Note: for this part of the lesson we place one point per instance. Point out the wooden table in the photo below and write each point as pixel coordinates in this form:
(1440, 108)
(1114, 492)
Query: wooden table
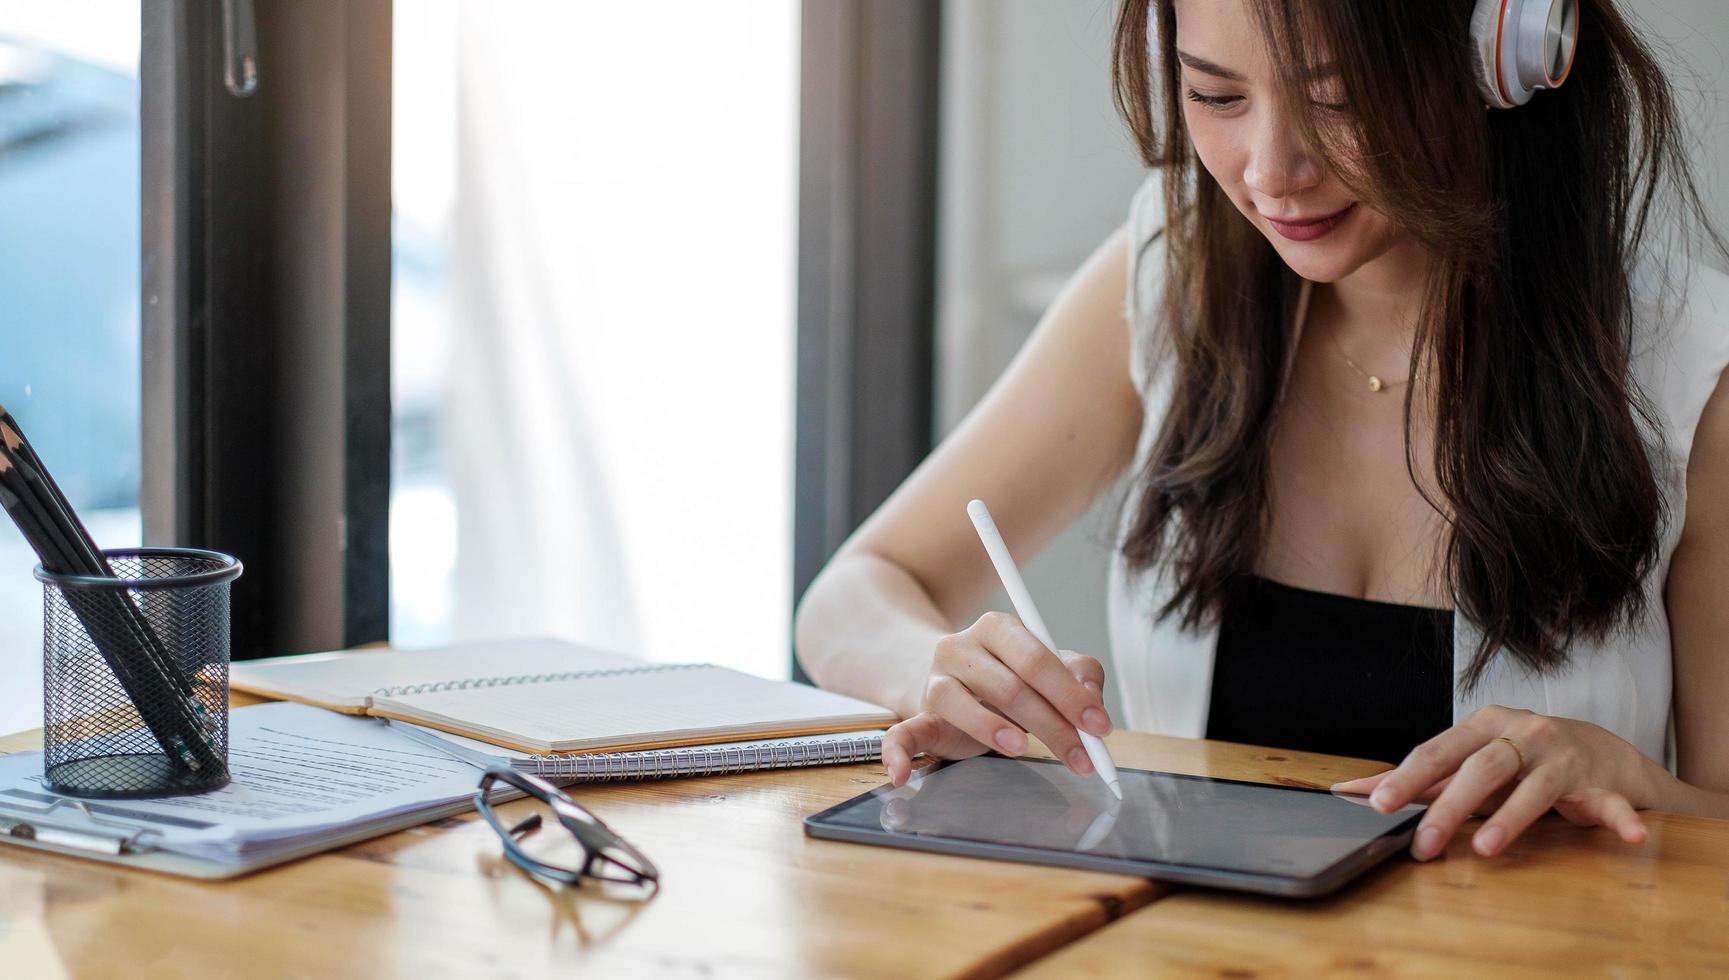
(747, 894)
(1560, 901)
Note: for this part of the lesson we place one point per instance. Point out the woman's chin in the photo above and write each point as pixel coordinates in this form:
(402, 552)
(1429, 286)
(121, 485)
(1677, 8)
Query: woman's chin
(1322, 264)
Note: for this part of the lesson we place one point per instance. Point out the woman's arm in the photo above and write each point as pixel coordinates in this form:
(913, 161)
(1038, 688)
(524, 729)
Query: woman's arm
(1698, 600)
(1053, 432)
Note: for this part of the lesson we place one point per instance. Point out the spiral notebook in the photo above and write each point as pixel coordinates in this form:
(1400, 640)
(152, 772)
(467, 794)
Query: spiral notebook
(692, 760)
(545, 696)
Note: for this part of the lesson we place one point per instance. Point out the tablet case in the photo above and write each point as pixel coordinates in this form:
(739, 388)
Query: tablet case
(1342, 871)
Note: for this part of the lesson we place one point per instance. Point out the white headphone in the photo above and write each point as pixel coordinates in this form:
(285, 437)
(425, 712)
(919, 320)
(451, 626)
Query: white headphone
(1520, 46)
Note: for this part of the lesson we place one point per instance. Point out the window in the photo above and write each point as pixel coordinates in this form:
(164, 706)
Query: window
(69, 269)
(592, 344)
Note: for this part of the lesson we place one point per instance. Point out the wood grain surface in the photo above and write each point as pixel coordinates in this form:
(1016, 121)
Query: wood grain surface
(747, 894)
(1560, 901)
(744, 893)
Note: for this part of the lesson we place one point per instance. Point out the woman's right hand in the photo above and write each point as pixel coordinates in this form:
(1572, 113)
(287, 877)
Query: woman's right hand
(990, 685)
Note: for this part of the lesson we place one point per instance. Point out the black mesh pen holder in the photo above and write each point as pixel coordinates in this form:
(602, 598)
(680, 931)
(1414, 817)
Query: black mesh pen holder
(135, 675)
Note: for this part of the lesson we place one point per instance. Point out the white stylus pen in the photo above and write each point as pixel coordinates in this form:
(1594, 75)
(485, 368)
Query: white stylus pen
(1030, 618)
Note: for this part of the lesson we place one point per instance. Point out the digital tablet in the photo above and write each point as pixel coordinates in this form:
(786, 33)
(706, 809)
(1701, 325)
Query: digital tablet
(1223, 833)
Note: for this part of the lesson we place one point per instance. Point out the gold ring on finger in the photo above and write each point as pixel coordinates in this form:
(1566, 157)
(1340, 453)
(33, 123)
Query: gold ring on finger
(1515, 745)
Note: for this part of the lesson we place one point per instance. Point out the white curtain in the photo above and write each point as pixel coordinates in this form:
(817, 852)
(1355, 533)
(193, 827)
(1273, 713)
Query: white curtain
(535, 533)
(617, 432)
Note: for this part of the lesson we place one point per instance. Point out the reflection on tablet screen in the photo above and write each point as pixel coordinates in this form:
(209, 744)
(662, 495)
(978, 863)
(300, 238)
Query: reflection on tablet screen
(1162, 817)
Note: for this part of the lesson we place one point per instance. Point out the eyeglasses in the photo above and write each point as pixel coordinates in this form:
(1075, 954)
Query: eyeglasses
(604, 855)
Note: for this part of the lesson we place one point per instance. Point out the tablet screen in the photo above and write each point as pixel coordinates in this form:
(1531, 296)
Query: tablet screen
(1163, 817)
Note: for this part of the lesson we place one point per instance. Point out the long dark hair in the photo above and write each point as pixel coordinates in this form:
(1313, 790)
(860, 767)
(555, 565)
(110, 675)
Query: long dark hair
(1532, 219)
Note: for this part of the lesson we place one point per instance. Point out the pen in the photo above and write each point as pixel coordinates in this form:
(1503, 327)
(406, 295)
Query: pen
(1030, 618)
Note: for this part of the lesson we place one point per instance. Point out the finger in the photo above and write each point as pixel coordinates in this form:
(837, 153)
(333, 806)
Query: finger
(1003, 690)
(1044, 672)
(898, 752)
(1086, 669)
(1429, 795)
(1616, 813)
(1532, 798)
(1427, 765)
(1482, 773)
(1496, 800)
(949, 699)
(1028, 709)
(1362, 784)
(1035, 714)
(900, 744)
(1091, 674)
(1609, 809)
(924, 733)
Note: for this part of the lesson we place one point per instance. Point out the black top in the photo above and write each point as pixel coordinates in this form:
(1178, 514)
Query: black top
(1320, 672)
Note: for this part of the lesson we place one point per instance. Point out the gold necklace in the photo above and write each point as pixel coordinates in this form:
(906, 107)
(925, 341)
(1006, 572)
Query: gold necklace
(1375, 382)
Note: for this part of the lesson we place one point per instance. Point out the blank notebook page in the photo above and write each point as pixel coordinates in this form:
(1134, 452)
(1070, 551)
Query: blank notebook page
(668, 705)
(348, 679)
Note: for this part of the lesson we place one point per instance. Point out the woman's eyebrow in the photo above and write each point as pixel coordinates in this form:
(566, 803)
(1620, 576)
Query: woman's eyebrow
(1209, 68)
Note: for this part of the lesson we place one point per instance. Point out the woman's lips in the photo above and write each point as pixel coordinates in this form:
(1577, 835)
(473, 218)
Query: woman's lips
(1309, 231)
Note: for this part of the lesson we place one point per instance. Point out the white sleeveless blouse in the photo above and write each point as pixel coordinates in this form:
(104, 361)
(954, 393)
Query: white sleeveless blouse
(1164, 671)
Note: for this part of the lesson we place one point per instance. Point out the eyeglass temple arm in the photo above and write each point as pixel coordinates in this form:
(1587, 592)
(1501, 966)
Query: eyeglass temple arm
(527, 825)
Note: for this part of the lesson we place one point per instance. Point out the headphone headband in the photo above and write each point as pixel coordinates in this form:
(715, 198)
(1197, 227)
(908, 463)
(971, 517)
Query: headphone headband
(1520, 46)
(1517, 47)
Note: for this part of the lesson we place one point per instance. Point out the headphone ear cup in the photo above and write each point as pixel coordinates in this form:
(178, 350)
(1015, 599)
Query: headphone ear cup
(1516, 46)
(1485, 51)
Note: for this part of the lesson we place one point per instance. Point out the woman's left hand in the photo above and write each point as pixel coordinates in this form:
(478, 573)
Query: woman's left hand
(1586, 772)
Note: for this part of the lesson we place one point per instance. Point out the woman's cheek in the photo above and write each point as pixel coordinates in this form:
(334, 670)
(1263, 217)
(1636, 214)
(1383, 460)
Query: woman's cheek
(1212, 154)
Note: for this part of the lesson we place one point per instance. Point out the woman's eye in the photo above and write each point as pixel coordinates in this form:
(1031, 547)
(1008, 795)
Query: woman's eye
(1212, 101)
(1221, 101)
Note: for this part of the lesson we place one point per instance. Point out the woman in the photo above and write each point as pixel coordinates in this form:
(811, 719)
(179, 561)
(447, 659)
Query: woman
(1442, 476)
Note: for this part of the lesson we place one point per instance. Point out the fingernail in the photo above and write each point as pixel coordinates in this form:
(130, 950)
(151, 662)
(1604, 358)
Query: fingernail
(1010, 741)
(1490, 840)
(1382, 797)
(1094, 721)
(1093, 686)
(1079, 762)
(1428, 843)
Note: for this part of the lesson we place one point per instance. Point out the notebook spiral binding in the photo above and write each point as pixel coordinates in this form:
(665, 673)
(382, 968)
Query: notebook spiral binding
(509, 679)
(698, 760)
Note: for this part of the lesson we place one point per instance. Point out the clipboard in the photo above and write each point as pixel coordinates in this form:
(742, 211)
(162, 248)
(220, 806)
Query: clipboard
(76, 828)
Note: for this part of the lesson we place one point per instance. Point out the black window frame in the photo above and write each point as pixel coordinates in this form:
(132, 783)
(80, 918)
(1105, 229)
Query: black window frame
(266, 311)
(266, 295)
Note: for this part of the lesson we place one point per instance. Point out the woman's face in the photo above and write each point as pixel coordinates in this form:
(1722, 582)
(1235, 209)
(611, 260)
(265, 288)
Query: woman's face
(1230, 106)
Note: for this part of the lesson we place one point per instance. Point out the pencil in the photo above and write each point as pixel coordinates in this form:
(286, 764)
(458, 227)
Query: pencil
(1030, 618)
(78, 551)
(121, 634)
(90, 561)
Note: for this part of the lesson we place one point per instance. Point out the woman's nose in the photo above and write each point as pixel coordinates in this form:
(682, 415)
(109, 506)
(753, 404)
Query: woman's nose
(1280, 164)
